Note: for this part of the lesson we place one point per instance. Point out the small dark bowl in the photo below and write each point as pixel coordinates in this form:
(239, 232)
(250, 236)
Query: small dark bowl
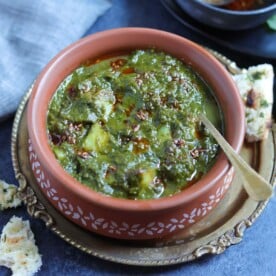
(227, 19)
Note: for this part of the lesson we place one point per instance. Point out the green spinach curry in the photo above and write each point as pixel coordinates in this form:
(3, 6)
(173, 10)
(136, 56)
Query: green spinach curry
(128, 126)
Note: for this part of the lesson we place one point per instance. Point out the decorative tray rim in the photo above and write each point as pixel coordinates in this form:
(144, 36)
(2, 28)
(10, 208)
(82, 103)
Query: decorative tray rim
(216, 246)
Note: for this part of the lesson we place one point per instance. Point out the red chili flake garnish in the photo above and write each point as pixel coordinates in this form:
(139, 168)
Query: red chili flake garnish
(129, 70)
(241, 5)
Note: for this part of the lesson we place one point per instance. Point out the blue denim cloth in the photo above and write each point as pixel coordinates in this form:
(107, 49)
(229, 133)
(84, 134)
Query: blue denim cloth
(254, 256)
(32, 32)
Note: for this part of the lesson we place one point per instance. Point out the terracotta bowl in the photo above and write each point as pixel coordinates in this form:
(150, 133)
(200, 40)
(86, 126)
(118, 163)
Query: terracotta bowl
(124, 218)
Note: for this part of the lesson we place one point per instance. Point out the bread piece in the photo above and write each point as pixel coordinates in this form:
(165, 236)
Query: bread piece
(256, 88)
(17, 248)
(8, 196)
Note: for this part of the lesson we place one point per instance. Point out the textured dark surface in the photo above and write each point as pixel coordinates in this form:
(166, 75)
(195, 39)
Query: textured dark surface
(253, 256)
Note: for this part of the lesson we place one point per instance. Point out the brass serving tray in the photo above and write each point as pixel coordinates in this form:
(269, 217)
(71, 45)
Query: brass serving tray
(223, 227)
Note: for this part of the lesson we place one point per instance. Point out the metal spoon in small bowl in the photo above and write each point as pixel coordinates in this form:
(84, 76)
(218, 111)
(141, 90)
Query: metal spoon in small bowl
(218, 2)
(254, 184)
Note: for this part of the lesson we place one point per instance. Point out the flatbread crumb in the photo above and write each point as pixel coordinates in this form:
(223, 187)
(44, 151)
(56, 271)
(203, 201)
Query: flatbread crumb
(17, 248)
(8, 196)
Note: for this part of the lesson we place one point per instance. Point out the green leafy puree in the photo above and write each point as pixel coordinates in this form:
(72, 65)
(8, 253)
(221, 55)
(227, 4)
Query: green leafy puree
(128, 127)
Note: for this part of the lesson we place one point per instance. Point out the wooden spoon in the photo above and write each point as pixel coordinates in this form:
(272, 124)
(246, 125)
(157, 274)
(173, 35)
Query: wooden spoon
(254, 184)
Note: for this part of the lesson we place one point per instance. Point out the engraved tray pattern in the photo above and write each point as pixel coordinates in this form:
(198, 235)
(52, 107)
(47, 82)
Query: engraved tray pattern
(224, 227)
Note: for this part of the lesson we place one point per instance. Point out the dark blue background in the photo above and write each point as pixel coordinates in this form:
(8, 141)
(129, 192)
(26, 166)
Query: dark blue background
(255, 255)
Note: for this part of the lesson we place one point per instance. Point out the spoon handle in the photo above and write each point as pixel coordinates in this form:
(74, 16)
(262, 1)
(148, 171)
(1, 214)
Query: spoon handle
(254, 184)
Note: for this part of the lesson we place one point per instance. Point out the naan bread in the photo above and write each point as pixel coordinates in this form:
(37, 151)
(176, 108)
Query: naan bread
(256, 89)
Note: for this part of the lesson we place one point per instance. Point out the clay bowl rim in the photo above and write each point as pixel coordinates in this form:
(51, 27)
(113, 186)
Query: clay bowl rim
(46, 157)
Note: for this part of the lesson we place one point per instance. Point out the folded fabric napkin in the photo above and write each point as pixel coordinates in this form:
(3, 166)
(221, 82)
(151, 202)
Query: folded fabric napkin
(32, 32)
